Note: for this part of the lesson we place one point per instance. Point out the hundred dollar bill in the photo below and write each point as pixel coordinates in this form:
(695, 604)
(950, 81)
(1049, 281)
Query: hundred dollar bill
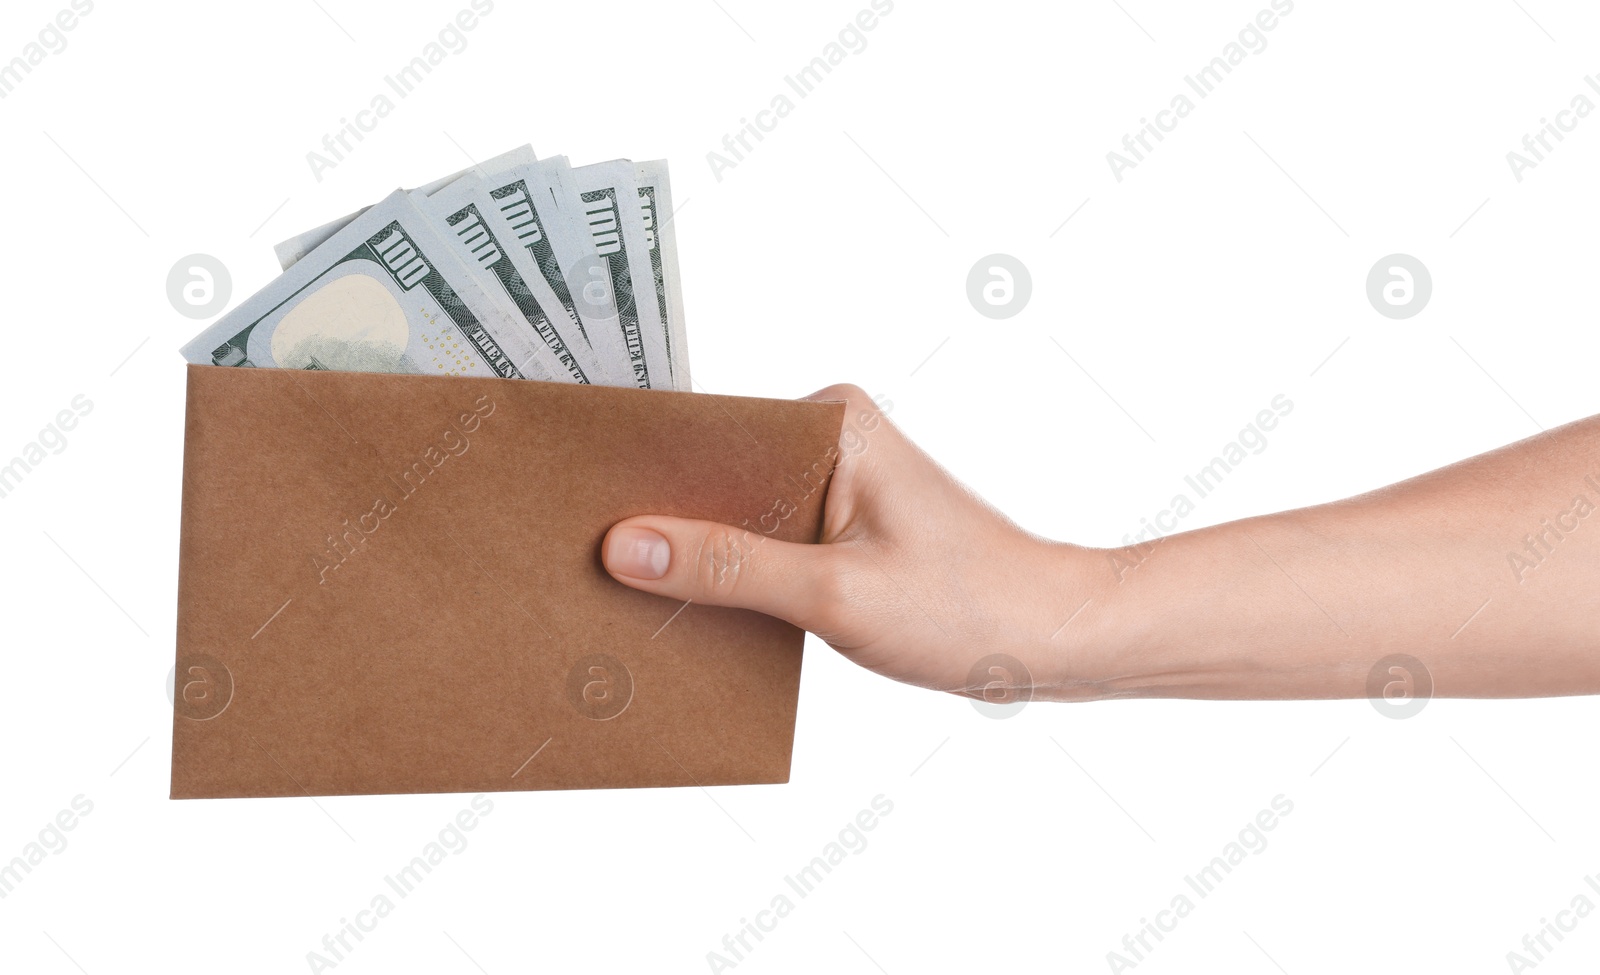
(385, 294)
(524, 205)
(569, 230)
(301, 244)
(655, 197)
(460, 217)
(607, 197)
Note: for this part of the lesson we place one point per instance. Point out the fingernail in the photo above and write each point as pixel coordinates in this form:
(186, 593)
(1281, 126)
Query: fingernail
(638, 553)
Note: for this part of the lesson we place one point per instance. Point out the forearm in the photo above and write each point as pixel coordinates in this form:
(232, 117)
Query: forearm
(1487, 571)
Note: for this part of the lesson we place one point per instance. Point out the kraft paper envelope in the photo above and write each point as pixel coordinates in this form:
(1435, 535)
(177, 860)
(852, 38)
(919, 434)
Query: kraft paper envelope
(392, 584)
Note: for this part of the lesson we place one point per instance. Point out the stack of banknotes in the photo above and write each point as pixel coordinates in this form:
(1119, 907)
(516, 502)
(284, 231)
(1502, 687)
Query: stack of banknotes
(518, 267)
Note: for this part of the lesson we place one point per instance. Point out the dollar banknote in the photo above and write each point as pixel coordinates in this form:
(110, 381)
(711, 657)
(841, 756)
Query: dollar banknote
(655, 199)
(524, 204)
(607, 196)
(460, 218)
(383, 294)
(533, 269)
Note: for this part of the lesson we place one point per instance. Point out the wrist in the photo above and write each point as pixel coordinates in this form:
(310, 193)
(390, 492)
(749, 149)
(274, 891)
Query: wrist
(1082, 626)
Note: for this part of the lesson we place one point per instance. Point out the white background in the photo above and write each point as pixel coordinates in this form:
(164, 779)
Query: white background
(1224, 270)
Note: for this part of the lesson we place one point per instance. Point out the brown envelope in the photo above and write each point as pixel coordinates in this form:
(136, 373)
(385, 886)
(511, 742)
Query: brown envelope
(393, 584)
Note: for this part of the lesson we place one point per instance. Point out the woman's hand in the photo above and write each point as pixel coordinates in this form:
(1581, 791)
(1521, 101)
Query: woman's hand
(916, 577)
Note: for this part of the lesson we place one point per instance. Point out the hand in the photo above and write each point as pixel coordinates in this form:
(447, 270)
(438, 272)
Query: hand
(916, 577)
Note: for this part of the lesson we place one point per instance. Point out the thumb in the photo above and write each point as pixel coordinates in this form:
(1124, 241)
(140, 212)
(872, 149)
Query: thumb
(717, 565)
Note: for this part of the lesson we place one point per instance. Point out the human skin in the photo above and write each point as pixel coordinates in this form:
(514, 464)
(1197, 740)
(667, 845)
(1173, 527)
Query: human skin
(917, 578)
